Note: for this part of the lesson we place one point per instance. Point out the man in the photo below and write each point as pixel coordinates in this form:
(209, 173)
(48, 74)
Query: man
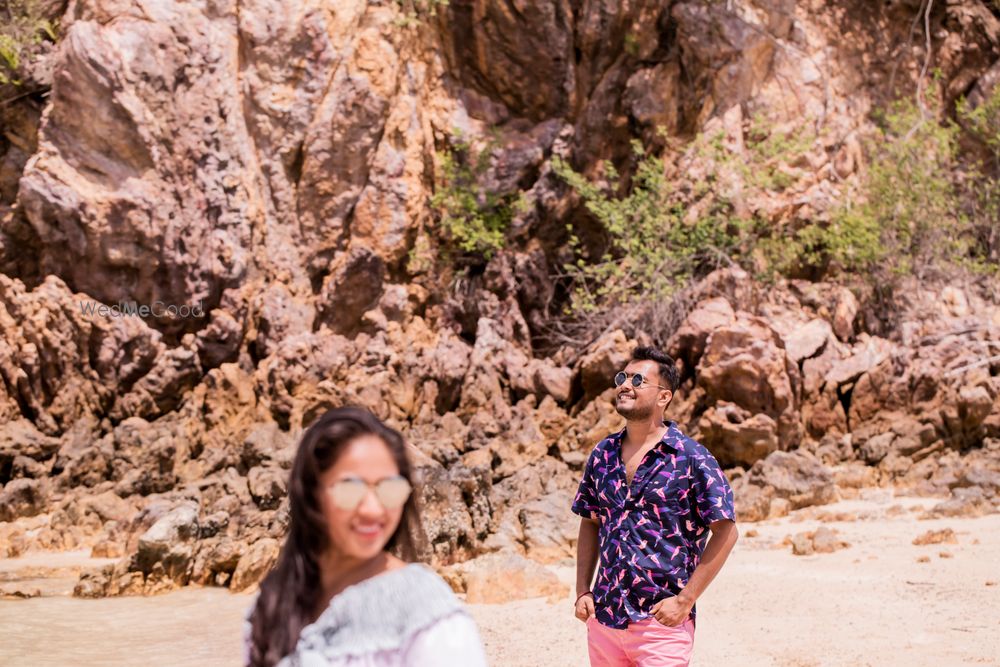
(648, 499)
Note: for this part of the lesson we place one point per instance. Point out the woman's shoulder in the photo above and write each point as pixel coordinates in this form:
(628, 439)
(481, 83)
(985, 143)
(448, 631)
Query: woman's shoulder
(414, 583)
(381, 613)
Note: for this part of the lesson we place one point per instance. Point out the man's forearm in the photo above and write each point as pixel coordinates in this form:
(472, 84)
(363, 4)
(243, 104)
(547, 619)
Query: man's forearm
(720, 544)
(586, 555)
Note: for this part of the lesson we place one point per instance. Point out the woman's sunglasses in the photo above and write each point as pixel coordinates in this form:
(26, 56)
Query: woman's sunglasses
(637, 380)
(392, 492)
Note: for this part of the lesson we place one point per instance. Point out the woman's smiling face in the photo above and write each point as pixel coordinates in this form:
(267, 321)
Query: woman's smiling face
(363, 531)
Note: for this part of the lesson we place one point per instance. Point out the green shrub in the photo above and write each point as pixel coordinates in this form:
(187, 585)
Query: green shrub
(983, 189)
(22, 26)
(656, 246)
(473, 219)
(653, 253)
(911, 215)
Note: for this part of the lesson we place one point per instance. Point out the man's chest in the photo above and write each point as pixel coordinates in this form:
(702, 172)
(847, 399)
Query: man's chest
(658, 481)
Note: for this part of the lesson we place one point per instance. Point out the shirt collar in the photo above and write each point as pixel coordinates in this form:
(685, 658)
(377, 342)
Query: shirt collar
(666, 442)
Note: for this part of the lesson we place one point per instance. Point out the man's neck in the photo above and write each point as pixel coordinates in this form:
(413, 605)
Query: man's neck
(644, 432)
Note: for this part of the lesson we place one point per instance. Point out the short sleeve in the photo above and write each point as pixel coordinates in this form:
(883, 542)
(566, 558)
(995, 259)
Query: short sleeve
(452, 640)
(585, 503)
(713, 495)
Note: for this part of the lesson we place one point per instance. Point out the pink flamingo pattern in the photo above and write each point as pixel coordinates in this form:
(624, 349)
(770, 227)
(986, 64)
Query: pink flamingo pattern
(654, 530)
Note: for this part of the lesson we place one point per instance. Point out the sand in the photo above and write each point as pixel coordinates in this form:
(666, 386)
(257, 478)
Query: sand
(873, 603)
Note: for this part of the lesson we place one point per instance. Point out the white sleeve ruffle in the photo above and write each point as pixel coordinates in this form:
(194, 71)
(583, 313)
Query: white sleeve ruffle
(452, 640)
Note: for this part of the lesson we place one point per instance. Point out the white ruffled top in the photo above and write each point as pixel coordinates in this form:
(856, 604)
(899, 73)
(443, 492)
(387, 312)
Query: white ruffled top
(407, 617)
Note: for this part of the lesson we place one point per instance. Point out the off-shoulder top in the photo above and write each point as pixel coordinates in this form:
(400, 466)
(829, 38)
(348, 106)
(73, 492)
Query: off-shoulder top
(407, 617)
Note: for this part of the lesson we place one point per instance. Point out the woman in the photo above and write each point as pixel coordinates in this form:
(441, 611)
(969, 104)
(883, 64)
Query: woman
(337, 597)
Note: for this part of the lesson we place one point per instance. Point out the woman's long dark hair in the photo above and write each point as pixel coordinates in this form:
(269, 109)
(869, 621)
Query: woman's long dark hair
(289, 593)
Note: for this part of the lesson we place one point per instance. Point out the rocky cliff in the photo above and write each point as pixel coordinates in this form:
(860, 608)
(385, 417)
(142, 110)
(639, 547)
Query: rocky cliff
(262, 175)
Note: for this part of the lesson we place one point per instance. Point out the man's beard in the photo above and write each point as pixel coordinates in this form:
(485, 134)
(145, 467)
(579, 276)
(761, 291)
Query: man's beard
(635, 411)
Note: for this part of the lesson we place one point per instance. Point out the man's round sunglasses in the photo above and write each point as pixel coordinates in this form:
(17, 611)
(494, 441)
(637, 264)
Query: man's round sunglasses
(637, 380)
(392, 492)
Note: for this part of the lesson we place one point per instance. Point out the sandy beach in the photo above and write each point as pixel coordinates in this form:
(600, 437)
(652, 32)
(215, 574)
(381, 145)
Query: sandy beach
(880, 601)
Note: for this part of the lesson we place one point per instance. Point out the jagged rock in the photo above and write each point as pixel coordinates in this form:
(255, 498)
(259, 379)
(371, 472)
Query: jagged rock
(867, 355)
(688, 342)
(216, 561)
(22, 466)
(108, 506)
(145, 455)
(846, 306)
(875, 449)
(96, 231)
(167, 544)
(965, 502)
(22, 498)
(746, 364)
(821, 540)
(553, 381)
(106, 549)
(352, 288)
(808, 339)
(943, 536)
(549, 528)
(21, 438)
(734, 436)
(267, 443)
(268, 486)
(446, 518)
(254, 564)
(795, 476)
(753, 503)
(608, 355)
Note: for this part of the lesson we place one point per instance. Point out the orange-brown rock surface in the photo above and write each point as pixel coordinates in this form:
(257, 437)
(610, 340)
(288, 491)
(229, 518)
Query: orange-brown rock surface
(268, 166)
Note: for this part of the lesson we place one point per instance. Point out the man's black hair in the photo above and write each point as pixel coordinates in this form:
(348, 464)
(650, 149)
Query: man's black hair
(667, 368)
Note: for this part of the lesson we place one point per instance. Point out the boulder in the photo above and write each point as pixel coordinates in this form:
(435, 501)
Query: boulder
(795, 476)
(845, 308)
(268, 486)
(821, 540)
(753, 503)
(746, 364)
(499, 578)
(597, 368)
(254, 564)
(22, 497)
(808, 339)
(167, 543)
(549, 528)
(687, 344)
(734, 436)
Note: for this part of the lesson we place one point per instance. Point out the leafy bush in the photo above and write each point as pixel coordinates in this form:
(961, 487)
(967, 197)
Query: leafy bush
(983, 122)
(22, 27)
(912, 214)
(652, 251)
(919, 209)
(473, 219)
(661, 240)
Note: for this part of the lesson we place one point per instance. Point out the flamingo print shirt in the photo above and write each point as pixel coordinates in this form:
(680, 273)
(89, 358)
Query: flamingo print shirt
(653, 531)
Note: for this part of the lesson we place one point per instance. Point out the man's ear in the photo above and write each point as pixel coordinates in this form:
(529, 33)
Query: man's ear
(665, 397)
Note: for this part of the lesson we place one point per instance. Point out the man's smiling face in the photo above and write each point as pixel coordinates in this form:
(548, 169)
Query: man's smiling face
(638, 403)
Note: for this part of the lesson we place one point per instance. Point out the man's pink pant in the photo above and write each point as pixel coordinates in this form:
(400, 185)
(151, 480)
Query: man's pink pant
(647, 643)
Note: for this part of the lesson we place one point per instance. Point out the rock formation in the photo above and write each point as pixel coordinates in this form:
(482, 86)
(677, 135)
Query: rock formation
(259, 175)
